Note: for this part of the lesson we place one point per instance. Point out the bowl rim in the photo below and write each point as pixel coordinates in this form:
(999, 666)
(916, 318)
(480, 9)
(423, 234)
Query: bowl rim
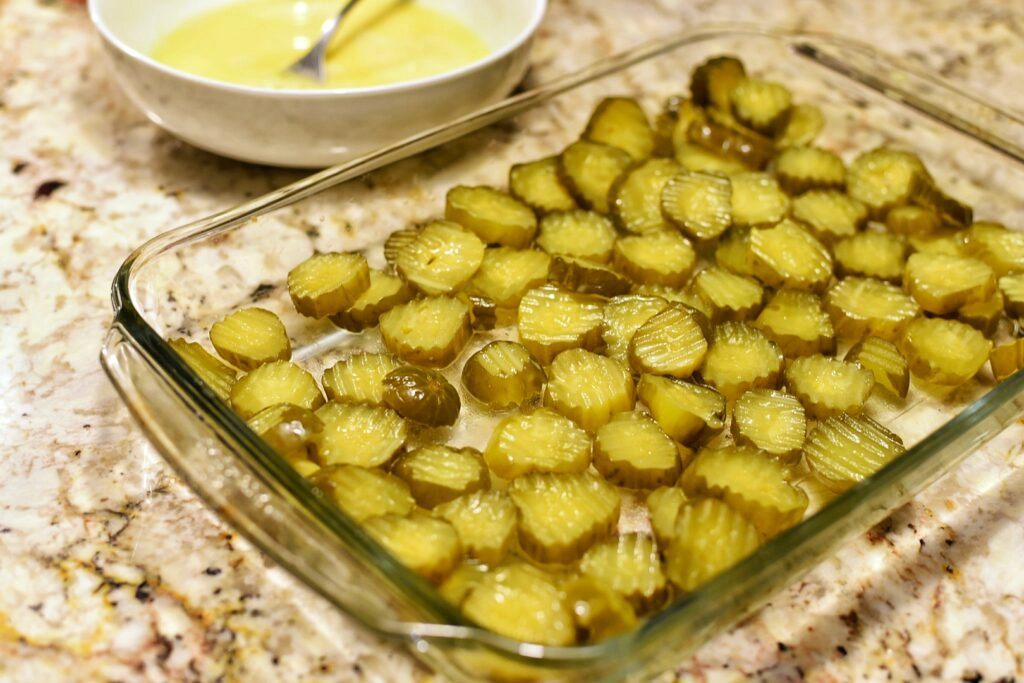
(517, 42)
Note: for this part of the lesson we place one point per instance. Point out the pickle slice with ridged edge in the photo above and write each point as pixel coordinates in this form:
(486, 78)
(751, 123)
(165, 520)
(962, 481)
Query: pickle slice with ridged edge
(385, 292)
(562, 515)
(359, 378)
(711, 83)
(630, 566)
(522, 602)
(941, 283)
(871, 254)
(865, 306)
(659, 258)
(600, 613)
(273, 383)
(356, 434)
(623, 316)
(700, 204)
(581, 234)
(621, 122)
(726, 138)
(757, 198)
(483, 312)
(946, 352)
(631, 450)
(940, 243)
(506, 274)
(881, 178)
(421, 395)
(437, 474)
(462, 580)
(924, 192)
(250, 337)
(325, 284)
(828, 386)
(845, 449)
(541, 441)
(1001, 249)
(494, 216)
(730, 296)
(635, 197)
(885, 362)
(800, 169)
(588, 388)
(430, 331)
(984, 316)
(365, 492)
(287, 429)
(670, 343)
(589, 169)
(673, 124)
(760, 104)
(485, 521)
(912, 220)
(587, 277)
(442, 258)
(786, 255)
(741, 357)
(396, 241)
(698, 159)
(214, 372)
(1012, 289)
(685, 297)
(663, 505)
(750, 482)
(803, 125)
(503, 374)
(772, 421)
(537, 184)
(794, 320)
(733, 250)
(552, 320)
(829, 214)
(687, 412)
(710, 536)
(427, 545)
(1007, 359)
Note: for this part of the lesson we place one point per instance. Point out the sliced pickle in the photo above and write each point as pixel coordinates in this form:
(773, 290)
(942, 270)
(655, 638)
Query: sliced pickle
(250, 337)
(800, 169)
(984, 316)
(946, 352)
(429, 331)
(442, 258)
(730, 296)
(944, 243)
(677, 296)
(633, 451)
(941, 283)
(485, 521)
(396, 241)
(587, 277)
(421, 395)
(864, 306)
(541, 441)
(750, 482)
(1012, 289)
(600, 612)
(710, 536)
(385, 292)
(523, 602)
(635, 197)
(287, 429)
(494, 216)
(712, 82)
(273, 383)
(580, 234)
(871, 254)
(621, 122)
(830, 215)
(912, 220)
(660, 258)
(676, 127)
(803, 125)
(1007, 359)
(427, 545)
(503, 374)
(786, 255)
(623, 316)
(663, 505)
(924, 192)
(483, 312)
(325, 284)
(885, 362)
(772, 421)
(364, 492)
(465, 578)
(699, 159)
(689, 413)
(733, 250)
(882, 178)
(757, 198)
(589, 169)
(562, 515)
(728, 139)
(741, 357)
(507, 274)
(537, 184)
(828, 386)
(630, 566)
(214, 372)
(846, 449)
(670, 343)
(588, 388)
(700, 204)
(795, 321)
(762, 105)
(359, 378)
(437, 474)
(354, 434)
(1001, 249)
(552, 320)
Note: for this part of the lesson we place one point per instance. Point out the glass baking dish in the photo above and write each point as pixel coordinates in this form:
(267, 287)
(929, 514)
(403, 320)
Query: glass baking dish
(179, 283)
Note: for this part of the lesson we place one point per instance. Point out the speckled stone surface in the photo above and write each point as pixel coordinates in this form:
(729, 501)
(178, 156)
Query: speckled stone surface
(112, 570)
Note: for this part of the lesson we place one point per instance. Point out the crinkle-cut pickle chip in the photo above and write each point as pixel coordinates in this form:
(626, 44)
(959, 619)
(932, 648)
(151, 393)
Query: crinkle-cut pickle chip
(1007, 359)
(537, 184)
(437, 474)
(506, 274)
(1012, 289)
(749, 481)
(460, 582)
(214, 372)
(800, 169)
(250, 337)
(503, 374)
(733, 249)
(589, 169)
(552, 319)
(672, 126)
(712, 81)
(523, 602)
(494, 216)
(710, 536)
(786, 255)
(442, 258)
(760, 104)
(871, 254)
(581, 234)
(670, 343)
(621, 122)
(359, 378)
(721, 134)
(741, 357)
(663, 506)
(635, 197)
(587, 277)
(385, 292)
(772, 421)
(633, 451)
(687, 297)
(885, 362)
(984, 316)
(864, 306)
(623, 316)
(600, 612)
(687, 412)
(355, 434)
(1001, 249)
(659, 258)
(287, 429)
(827, 386)
(485, 521)
(941, 283)
(697, 159)
(946, 352)
(395, 241)
(730, 296)
(325, 284)
(881, 178)
(430, 331)
(273, 383)
(700, 204)
(803, 125)
(422, 395)
(588, 388)
(912, 220)
(845, 449)
(924, 192)
(757, 198)
(941, 243)
(365, 492)
(541, 441)
(427, 545)
(831, 215)
(562, 515)
(630, 566)
(795, 320)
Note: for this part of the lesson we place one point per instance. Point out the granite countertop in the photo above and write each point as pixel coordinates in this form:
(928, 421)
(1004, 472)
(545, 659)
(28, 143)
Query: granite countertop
(113, 570)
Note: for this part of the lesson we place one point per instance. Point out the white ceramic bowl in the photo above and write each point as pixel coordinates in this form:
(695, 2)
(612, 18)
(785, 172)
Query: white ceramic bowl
(308, 128)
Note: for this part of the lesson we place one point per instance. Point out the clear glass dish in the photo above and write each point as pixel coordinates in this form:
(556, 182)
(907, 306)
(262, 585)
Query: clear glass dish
(179, 283)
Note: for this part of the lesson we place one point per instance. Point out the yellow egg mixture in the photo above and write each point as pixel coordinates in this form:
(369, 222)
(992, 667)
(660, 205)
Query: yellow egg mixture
(252, 43)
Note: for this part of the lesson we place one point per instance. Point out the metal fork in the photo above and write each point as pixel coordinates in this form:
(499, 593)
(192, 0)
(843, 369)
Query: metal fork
(312, 63)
